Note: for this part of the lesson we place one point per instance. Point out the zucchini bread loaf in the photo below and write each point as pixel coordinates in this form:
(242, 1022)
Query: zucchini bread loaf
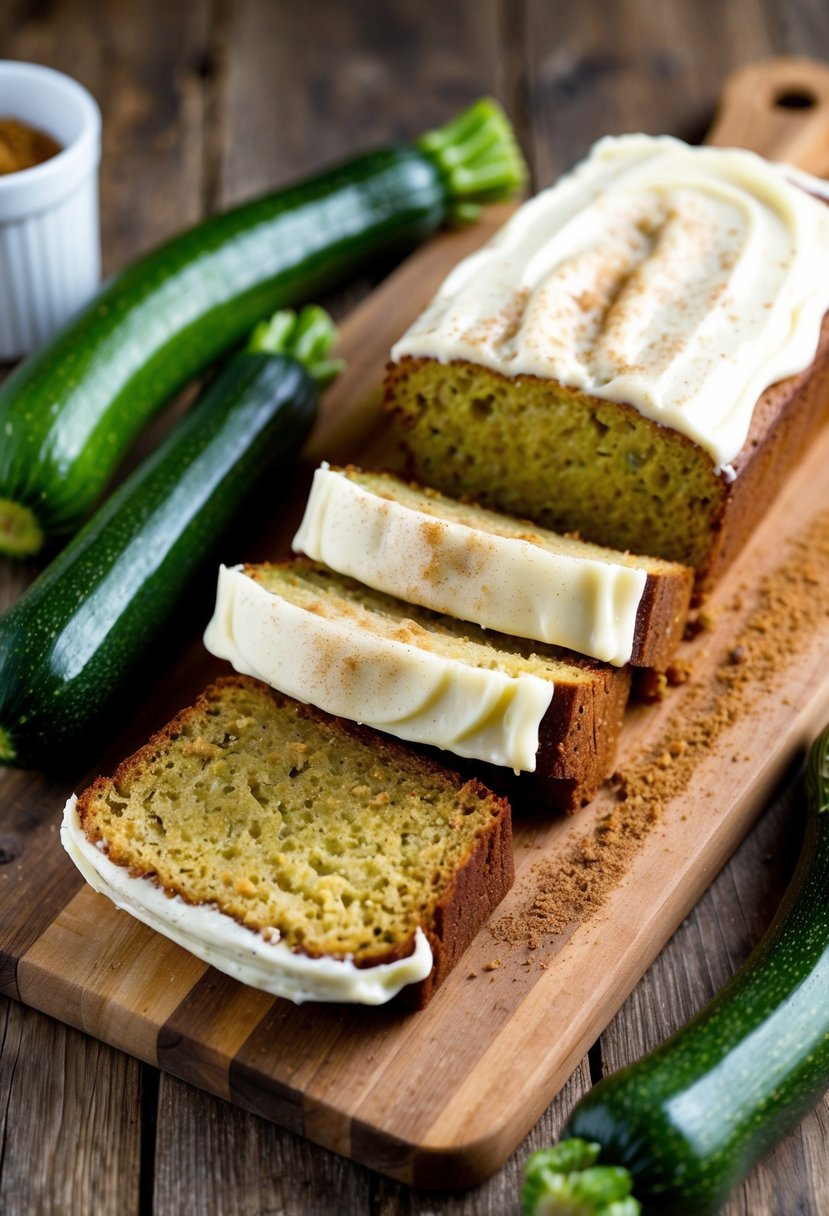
(500, 572)
(297, 853)
(639, 355)
(328, 640)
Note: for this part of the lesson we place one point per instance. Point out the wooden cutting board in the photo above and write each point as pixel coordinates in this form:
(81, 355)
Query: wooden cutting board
(442, 1097)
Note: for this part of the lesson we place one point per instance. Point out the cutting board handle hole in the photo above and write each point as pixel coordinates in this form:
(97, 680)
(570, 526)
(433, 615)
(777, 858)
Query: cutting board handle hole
(795, 99)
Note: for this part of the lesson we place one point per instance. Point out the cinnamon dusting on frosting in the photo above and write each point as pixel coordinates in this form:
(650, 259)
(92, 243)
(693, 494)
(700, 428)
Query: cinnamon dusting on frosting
(679, 281)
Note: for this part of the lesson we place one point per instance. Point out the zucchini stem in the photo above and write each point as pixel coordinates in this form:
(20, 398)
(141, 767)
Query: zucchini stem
(478, 157)
(565, 1181)
(20, 532)
(307, 336)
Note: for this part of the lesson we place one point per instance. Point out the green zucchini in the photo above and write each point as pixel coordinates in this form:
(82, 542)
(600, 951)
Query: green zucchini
(675, 1132)
(72, 642)
(69, 412)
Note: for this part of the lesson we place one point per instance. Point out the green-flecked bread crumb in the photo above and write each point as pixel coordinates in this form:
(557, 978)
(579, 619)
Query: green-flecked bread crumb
(288, 820)
(571, 462)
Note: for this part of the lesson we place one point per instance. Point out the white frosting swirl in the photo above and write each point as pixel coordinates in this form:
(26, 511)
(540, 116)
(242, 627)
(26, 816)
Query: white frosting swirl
(229, 946)
(392, 685)
(680, 280)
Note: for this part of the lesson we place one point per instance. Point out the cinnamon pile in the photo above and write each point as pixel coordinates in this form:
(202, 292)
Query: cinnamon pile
(23, 147)
(792, 604)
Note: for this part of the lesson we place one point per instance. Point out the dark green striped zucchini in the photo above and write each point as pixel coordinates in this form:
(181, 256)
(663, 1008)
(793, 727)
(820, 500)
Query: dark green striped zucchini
(676, 1132)
(70, 411)
(70, 645)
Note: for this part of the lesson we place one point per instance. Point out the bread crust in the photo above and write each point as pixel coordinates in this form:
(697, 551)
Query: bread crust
(480, 881)
(661, 617)
(577, 740)
(479, 885)
(786, 419)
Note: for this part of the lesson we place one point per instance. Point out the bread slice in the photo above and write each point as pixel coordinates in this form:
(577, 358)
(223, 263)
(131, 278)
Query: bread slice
(498, 571)
(301, 854)
(427, 678)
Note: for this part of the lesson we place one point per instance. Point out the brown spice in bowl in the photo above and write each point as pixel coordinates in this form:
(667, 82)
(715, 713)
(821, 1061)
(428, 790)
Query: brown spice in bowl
(23, 147)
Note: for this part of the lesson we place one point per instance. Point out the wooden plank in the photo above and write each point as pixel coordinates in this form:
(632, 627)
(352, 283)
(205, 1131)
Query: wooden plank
(69, 1130)
(797, 29)
(210, 1024)
(28, 847)
(216, 1160)
(403, 76)
(632, 66)
(123, 986)
(222, 1161)
(499, 1195)
(754, 112)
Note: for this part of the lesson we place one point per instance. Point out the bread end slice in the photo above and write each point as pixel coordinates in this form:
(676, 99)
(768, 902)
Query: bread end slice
(299, 827)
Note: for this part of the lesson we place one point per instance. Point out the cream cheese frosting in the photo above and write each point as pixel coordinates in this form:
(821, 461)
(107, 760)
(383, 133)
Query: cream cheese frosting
(497, 581)
(397, 687)
(233, 948)
(680, 280)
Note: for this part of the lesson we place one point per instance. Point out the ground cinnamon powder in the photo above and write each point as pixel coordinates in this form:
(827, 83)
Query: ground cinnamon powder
(790, 604)
(23, 147)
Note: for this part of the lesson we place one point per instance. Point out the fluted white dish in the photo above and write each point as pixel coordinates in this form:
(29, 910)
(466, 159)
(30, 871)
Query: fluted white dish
(50, 261)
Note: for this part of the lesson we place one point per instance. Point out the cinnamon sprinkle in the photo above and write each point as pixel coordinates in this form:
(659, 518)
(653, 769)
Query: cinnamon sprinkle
(792, 604)
(23, 147)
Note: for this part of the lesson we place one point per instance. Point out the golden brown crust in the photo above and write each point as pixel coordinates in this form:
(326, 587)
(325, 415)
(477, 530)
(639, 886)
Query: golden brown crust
(786, 419)
(479, 885)
(661, 617)
(578, 738)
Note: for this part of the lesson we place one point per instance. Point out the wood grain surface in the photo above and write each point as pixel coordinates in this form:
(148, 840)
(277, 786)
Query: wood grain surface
(190, 90)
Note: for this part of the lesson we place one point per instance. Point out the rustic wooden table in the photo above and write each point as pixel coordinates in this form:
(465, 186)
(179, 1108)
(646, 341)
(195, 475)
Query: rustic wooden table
(206, 102)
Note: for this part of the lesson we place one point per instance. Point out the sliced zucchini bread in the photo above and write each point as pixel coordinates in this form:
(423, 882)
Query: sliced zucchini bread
(299, 854)
(496, 570)
(330, 641)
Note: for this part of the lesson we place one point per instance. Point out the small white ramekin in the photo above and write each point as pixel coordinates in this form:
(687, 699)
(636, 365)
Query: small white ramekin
(50, 258)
